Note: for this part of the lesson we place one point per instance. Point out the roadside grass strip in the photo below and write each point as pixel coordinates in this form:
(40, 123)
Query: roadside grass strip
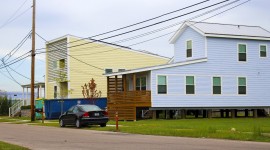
(7, 146)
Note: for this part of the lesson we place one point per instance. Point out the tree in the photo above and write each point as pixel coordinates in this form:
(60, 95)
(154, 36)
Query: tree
(89, 90)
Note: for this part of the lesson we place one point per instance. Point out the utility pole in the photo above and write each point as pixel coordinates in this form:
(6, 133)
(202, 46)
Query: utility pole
(33, 62)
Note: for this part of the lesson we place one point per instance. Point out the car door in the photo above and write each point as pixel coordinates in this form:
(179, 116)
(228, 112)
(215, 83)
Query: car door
(67, 116)
(72, 116)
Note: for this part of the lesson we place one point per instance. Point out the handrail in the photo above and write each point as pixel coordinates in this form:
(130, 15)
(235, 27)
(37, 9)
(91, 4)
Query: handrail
(15, 108)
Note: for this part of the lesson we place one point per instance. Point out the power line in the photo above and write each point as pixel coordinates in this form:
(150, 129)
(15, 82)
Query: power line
(148, 25)
(147, 33)
(12, 78)
(147, 20)
(9, 78)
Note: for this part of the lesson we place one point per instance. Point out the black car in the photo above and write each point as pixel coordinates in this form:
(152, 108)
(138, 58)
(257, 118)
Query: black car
(81, 115)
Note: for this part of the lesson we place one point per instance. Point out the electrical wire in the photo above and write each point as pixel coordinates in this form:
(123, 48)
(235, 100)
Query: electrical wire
(157, 23)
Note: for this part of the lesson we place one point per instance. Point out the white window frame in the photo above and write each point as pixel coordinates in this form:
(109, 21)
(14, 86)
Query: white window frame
(238, 86)
(185, 84)
(238, 52)
(167, 85)
(265, 49)
(141, 82)
(191, 49)
(221, 84)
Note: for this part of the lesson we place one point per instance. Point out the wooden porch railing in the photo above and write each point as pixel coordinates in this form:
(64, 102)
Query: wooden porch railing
(125, 103)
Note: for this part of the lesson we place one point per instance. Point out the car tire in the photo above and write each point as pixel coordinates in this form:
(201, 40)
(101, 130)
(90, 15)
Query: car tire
(61, 123)
(103, 125)
(78, 123)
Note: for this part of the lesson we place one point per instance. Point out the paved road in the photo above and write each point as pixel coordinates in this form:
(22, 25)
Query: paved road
(51, 138)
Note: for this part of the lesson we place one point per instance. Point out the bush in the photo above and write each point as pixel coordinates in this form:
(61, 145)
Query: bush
(26, 107)
(5, 103)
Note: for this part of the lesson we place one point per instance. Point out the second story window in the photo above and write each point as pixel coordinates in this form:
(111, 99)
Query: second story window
(242, 52)
(263, 51)
(162, 85)
(242, 86)
(62, 63)
(189, 48)
(190, 85)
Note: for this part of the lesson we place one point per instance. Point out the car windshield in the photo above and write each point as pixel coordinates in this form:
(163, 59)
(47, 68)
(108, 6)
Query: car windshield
(90, 108)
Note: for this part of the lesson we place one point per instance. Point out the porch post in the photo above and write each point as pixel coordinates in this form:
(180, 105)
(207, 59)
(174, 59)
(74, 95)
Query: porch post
(108, 82)
(134, 82)
(116, 84)
(124, 78)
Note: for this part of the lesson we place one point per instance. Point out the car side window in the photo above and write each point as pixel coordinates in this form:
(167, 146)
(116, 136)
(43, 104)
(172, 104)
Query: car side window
(75, 110)
(70, 110)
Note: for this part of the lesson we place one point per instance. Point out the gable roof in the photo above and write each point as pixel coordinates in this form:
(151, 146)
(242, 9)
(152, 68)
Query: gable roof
(108, 43)
(157, 67)
(224, 30)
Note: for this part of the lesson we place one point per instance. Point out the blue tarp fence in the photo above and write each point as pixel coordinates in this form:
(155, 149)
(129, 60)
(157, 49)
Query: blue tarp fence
(55, 107)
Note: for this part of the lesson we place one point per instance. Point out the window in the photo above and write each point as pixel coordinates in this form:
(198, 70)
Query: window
(162, 85)
(190, 86)
(108, 71)
(216, 85)
(242, 85)
(242, 52)
(121, 70)
(62, 63)
(55, 92)
(140, 83)
(189, 48)
(262, 50)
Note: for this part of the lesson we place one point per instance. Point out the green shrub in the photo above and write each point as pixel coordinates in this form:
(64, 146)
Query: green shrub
(5, 103)
(26, 107)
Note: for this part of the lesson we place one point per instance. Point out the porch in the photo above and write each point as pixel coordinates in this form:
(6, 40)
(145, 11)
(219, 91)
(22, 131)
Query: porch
(126, 93)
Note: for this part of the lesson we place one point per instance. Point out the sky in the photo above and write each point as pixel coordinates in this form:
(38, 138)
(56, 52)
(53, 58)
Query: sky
(85, 18)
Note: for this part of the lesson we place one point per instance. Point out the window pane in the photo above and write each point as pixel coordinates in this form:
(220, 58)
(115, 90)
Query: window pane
(241, 89)
(262, 54)
(162, 89)
(62, 63)
(138, 82)
(216, 81)
(143, 81)
(189, 80)
(108, 70)
(263, 51)
(161, 80)
(190, 89)
(241, 81)
(121, 70)
(143, 88)
(242, 48)
(242, 57)
(189, 52)
(263, 48)
(216, 89)
(189, 44)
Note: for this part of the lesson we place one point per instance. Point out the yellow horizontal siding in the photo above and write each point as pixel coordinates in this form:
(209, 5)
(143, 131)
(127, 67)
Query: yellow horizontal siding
(103, 56)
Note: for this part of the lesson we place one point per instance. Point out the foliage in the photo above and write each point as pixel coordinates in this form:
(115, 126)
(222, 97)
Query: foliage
(7, 146)
(5, 103)
(60, 79)
(26, 107)
(89, 90)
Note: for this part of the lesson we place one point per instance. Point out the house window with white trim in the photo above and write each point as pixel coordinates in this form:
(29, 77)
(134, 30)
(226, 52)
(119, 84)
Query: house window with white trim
(190, 85)
(263, 51)
(216, 85)
(141, 84)
(162, 85)
(108, 71)
(242, 85)
(189, 48)
(242, 52)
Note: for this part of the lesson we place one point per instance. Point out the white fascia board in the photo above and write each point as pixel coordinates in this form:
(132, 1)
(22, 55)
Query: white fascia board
(181, 30)
(238, 37)
(57, 39)
(157, 67)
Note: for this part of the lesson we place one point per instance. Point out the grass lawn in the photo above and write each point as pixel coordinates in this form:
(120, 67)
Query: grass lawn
(7, 146)
(246, 129)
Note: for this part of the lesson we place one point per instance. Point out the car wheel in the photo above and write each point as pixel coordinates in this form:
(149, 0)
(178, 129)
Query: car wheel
(61, 122)
(103, 125)
(78, 123)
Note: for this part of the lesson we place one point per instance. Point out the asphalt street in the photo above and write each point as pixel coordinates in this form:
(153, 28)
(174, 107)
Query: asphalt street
(52, 138)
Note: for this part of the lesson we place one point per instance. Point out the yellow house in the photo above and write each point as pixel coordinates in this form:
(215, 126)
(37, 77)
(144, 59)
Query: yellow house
(71, 62)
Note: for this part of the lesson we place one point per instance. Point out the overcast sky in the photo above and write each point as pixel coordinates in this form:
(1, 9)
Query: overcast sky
(85, 18)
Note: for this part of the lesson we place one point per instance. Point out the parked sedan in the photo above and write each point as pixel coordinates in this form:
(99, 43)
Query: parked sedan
(80, 115)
